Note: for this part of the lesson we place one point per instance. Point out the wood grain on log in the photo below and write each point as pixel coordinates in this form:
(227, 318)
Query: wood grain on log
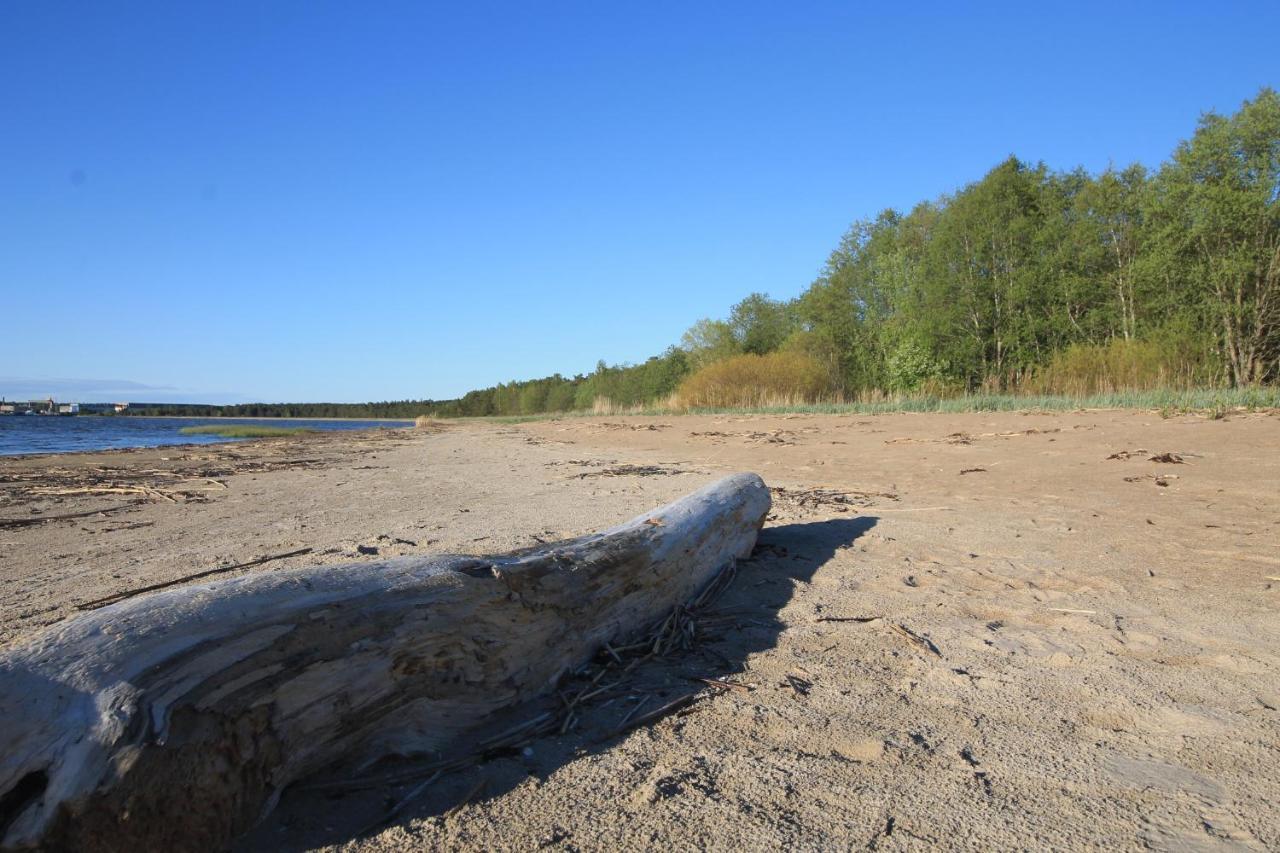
(174, 720)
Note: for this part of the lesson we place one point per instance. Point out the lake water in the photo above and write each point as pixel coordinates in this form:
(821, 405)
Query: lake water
(44, 434)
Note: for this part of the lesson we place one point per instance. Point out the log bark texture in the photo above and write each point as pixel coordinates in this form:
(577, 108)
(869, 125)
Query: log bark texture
(173, 721)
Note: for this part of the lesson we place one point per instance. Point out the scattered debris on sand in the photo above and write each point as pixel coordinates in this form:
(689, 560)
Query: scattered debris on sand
(1128, 454)
(964, 438)
(634, 471)
(827, 499)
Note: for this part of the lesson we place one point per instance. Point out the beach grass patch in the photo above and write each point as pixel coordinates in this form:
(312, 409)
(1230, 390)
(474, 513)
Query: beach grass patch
(243, 430)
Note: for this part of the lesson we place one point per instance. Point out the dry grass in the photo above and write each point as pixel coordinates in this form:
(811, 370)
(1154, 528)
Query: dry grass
(777, 379)
(1122, 367)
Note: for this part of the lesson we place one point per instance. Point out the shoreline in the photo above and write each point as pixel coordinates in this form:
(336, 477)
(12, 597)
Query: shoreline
(213, 441)
(1100, 625)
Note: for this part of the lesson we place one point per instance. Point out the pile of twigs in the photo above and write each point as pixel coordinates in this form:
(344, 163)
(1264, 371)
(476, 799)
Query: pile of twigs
(633, 471)
(840, 501)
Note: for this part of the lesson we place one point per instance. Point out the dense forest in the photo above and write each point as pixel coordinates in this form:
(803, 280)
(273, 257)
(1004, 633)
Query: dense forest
(1028, 280)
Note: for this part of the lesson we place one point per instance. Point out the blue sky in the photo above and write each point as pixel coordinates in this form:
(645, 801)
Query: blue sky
(347, 202)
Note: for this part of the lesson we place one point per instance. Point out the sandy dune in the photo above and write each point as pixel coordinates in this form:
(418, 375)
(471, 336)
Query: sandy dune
(977, 631)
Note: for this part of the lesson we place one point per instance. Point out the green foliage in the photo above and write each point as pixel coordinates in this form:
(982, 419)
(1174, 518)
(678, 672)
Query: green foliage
(709, 341)
(909, 366)
(761, 325)
(1216, 233)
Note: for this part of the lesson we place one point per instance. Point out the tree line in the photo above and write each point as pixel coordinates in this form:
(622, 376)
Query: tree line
(1028, 279)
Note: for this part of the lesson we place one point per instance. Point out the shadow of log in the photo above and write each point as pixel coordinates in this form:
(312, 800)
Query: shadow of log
(743, 621)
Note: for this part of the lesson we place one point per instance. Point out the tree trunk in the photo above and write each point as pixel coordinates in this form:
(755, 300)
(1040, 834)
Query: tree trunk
(173, 721)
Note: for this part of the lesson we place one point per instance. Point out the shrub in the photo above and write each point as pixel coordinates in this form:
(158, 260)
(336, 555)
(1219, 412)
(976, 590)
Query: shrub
(779, 378)
(910, 366)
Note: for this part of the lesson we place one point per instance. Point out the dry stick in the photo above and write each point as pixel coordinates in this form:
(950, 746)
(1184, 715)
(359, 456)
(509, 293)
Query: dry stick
(398, 807)
(515, 730)
(643, 701)
(715, 682)
(120, 596)
(919, 639)
(673, 705)
(93, 490)
(23, 522)
(471, 795)
(862, 619)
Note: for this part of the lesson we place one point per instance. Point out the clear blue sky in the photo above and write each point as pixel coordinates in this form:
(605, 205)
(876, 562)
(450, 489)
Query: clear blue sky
(342, 201)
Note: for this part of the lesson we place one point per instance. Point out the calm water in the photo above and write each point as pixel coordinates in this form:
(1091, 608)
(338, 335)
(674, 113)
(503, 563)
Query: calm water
(33, 434)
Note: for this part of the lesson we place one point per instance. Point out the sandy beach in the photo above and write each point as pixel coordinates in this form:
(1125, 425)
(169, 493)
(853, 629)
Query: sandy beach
(986, 631)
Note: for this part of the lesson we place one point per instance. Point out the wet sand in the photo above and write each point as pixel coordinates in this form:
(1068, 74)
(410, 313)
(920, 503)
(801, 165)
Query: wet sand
(980, 631)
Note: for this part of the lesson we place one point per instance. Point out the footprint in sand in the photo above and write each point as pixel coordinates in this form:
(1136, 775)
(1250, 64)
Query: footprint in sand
(1197, 813)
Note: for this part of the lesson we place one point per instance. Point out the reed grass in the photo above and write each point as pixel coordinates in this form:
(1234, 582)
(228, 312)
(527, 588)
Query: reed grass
(1214, 402)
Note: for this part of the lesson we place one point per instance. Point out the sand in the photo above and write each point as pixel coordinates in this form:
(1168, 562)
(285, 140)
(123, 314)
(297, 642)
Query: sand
(967, 631)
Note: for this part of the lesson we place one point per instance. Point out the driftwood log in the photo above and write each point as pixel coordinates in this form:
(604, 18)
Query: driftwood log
(174, 720)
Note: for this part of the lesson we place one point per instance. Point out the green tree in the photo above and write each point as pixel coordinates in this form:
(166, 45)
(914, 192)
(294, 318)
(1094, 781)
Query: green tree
(1216, 208)
(708, 341)
(761, 325)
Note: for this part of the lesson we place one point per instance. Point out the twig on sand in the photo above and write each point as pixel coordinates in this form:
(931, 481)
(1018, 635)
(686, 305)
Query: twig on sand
(918, 639)
(881, 509)
(656, 713)
(395, 810)
(471, 795)
(120, 596)
(801, 686)
(727, 685)
(860, 619)
(41, 519)
(643, 701)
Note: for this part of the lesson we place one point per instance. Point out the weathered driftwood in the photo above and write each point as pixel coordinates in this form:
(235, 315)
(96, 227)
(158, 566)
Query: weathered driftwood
(174, 720)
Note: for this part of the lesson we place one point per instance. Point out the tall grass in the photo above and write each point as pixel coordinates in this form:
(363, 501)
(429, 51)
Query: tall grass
(1168, 363)
(1212, 401)
(792, 378)
(1167, 401)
